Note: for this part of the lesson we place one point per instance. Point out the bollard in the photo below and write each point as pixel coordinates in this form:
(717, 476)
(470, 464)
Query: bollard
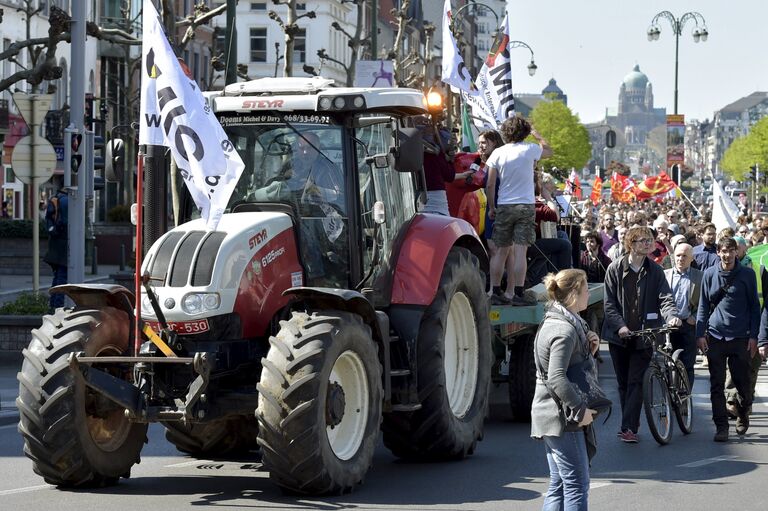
(94, 260)
(122, 257)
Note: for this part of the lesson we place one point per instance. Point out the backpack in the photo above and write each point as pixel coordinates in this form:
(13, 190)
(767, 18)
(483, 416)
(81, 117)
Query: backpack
(55, 216)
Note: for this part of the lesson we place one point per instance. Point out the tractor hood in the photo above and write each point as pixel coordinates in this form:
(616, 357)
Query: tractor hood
(243, 267)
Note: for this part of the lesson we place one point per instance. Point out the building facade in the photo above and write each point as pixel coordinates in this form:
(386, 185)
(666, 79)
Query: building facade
(733, 121)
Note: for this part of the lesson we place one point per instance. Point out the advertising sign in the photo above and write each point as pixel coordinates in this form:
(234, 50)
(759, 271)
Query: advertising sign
(374, 73)
(675, 140)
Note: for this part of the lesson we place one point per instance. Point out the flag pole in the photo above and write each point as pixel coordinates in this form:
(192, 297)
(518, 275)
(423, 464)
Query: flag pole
(689, 200)
(139, 250)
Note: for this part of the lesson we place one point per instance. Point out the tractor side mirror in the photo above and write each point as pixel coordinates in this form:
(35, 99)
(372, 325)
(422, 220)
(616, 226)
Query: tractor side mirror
(408, 150)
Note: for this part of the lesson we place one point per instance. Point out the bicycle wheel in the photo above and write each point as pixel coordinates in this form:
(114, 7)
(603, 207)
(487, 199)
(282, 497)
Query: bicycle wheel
(658, 409)
(683, 400)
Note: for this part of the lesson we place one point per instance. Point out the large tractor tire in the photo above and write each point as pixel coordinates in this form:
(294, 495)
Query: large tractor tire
(522, 378)
(320, 399)
(454, 357)
(74, 436)
(217, 439)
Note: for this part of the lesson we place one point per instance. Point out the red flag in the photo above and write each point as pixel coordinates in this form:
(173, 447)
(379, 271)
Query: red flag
(654, 186)
(597, 190)
(573, 185)
(622, 188)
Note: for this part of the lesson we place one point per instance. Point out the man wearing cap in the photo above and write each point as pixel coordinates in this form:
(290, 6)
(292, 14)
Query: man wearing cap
(685, 283)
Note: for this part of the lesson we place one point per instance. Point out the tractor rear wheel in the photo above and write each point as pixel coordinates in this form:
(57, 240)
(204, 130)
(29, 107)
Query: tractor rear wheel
(320, 398)
(522, 378)
(454, 369)
(219, 438)
(73, 435)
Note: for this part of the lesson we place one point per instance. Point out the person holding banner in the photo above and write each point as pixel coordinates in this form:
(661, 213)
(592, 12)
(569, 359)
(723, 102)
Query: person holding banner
(514, 211)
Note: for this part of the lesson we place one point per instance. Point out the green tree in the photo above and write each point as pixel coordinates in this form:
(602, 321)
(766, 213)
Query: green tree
(746, 151)
(566, 135)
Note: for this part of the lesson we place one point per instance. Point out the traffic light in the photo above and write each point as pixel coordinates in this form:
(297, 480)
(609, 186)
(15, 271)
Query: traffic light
(89, 111)
(114, 161)
(753, 173)
(76, 160)
(610, 139)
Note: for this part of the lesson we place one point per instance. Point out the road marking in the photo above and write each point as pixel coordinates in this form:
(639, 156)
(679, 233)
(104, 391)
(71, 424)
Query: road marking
(599, 484)
(188, 463)
(709, 461)
(27, 489)
(9, 426)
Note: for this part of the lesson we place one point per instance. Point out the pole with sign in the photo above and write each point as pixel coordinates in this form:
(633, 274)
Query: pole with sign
(33, 163)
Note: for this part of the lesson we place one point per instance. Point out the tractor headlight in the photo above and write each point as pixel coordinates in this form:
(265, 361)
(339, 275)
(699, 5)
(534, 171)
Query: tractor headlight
(196, 303)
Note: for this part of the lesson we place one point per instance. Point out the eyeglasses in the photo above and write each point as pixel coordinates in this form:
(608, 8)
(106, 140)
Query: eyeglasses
(644, 240)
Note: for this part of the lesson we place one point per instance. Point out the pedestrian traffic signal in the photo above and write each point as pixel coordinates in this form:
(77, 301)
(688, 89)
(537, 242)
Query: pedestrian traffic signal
(76, 160)
(753, 173)
(610, 139)
(89, 111)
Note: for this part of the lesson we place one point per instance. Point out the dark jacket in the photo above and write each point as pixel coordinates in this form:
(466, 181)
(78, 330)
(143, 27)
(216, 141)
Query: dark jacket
(57, 231)
(657, 306)
(738, 312)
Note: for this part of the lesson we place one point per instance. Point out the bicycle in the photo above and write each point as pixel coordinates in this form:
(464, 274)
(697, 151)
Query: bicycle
(665, 387)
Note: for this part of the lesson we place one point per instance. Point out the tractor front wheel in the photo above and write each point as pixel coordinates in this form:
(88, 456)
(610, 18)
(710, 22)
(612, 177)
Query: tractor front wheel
(320, 398)
(73, 435)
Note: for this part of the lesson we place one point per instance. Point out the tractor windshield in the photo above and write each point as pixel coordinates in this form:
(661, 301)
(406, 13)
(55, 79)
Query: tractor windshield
(295, 163)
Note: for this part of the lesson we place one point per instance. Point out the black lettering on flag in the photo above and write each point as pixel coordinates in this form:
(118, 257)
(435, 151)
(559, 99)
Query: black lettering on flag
(189, 132)
(153, 120)
(164, 96)
(177, 111)
(463, 71)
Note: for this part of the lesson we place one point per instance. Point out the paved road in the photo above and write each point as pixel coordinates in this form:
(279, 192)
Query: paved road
(508, 472)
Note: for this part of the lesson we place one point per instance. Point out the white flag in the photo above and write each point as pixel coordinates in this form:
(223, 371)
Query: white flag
(494, 82)
(174, 114)
(454, 73)
(724, 212)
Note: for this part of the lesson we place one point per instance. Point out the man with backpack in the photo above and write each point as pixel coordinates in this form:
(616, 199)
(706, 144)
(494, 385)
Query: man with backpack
(727, 326)
(56, 216)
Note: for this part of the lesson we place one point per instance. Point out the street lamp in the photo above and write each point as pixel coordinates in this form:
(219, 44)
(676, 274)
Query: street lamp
(699, 32)
(532, 67)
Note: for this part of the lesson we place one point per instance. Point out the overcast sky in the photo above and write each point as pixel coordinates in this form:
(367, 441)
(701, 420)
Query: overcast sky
(588, 46)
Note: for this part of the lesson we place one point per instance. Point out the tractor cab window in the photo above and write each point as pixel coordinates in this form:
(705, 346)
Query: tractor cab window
(300, 165)
(395, 190)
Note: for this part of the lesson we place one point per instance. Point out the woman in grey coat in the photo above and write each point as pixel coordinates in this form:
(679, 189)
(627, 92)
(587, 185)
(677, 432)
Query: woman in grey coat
(564, 340)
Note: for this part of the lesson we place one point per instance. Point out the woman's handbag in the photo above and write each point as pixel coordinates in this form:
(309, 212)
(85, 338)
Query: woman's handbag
(583, 377)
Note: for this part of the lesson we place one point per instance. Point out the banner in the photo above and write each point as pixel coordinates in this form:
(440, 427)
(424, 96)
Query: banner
(724, 212)
(495, 101)
(174, 114)
(675, 140)
(454, 70)
(655, 186)
(597, 191)
(374, 73)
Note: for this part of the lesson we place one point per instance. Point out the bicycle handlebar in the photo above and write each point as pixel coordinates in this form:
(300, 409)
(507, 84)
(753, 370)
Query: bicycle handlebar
(652, 331)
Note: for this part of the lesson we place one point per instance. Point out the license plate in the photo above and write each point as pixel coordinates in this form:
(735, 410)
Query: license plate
(183, 327)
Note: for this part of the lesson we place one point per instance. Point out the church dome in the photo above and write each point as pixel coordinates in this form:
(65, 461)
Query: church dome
(552, 88)
(636, 79)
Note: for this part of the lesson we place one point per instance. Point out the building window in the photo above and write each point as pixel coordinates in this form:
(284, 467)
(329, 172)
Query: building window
(301, 6)
(258, 45)
(300, 45)
(258, 6)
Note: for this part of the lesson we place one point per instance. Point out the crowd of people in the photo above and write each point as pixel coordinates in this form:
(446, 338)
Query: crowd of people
(662, 262)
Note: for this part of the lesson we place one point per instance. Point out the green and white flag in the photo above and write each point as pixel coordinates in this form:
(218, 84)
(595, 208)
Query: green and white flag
(467, 138)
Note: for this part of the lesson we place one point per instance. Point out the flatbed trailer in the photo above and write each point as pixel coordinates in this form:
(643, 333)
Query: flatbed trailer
(514, 329)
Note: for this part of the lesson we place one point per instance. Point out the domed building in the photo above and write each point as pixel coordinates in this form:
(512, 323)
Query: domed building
(636, 115)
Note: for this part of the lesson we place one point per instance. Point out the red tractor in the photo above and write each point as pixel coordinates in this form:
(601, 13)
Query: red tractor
(324, 310)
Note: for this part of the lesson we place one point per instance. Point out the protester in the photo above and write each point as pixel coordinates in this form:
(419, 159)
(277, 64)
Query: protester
(685, 283)
(514, 228)
(593, 261)
(637, 296)
(617, 251)
(706, 253)
(56, 221)
(559, 415)
(438, 169)
(727, 325)
(608, 234)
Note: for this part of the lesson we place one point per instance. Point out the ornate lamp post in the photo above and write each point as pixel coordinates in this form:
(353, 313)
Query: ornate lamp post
(699, 33)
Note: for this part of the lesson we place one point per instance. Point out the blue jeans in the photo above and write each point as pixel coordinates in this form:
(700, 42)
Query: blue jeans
(568, 472)
(59, 277)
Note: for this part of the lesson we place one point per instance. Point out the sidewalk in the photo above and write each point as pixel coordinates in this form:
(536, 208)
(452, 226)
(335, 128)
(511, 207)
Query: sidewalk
(10, 364)
(11, 286)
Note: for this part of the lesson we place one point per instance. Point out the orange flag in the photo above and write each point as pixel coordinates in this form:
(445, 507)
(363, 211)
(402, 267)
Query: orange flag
(622, 188)
(654, 185)
(597, 190)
